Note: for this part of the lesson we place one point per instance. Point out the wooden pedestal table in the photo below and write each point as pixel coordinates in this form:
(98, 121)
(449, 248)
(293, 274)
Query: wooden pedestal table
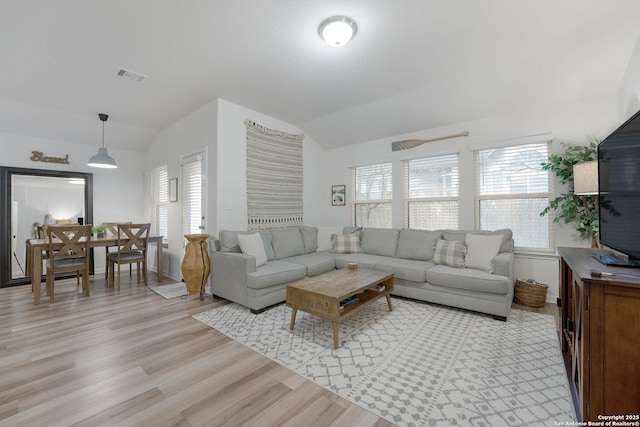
(321, 295)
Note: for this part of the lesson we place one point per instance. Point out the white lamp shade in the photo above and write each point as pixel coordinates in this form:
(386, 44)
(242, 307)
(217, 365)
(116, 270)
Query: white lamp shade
(102, 160)
(337, 30)
(585, 178)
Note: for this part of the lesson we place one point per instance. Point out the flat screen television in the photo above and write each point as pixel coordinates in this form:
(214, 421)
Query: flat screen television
(619, 193)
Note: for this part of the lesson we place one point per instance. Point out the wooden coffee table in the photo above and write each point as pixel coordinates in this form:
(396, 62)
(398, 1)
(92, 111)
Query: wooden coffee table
(321, 295)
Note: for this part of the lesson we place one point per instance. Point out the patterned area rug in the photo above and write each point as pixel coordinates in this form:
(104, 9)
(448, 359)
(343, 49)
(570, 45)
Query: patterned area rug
(421, 364)
(172, 290)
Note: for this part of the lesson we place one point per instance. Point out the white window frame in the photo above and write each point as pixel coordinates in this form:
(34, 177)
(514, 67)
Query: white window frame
(454, 193)
(158, 207)
(357, 198)
(193, 200)
(547, 196)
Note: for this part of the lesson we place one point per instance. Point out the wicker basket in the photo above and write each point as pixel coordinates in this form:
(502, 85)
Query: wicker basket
(530, 293)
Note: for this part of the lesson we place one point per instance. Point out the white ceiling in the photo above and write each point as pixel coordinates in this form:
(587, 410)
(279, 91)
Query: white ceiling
(414, 64)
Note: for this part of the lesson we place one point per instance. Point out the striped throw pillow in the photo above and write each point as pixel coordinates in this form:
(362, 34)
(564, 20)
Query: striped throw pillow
(346, 243)
(450, 252)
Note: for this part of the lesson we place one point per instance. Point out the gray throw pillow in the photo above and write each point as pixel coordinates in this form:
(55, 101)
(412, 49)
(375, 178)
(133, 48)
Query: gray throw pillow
(450, 252)
(346, 243)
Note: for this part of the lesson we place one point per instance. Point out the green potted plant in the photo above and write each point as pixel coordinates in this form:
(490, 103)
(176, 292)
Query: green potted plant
(99, 230)
(582, 210)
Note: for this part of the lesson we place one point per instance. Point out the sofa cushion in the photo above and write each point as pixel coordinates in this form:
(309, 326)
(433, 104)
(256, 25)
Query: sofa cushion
(229, 241)
(346, 243)
(324, 237)
(506, 233)
(417, 244)
(287, 242)
(275, 272)
(252, 244)
(379, 241)
(468, 279)
(449, 253)
(363, 260)
(309, 239)
(407, 269)
(316, 263)
(481, 250)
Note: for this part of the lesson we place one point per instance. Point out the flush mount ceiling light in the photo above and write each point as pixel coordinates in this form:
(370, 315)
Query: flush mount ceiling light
(102, 159)
(337, 30)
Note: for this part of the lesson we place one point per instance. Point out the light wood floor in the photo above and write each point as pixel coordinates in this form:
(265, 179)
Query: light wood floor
(130, 357)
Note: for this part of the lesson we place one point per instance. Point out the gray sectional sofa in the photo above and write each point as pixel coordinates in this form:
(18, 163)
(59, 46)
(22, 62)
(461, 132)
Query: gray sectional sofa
(425, 265)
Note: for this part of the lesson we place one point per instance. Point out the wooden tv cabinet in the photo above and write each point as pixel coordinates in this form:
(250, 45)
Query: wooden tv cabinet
(600, 336)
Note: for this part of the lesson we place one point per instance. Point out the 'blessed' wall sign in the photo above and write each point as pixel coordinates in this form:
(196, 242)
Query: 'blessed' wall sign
(37, 156)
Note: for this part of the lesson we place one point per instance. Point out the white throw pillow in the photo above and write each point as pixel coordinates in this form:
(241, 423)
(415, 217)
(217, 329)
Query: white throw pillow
(251, 244)
(324, 237)
(481, 249)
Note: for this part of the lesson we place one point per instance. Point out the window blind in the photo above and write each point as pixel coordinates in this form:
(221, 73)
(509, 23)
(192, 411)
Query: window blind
(158, 201)
(372, 193)
(431, 192)
(512, 190)
(192, 191)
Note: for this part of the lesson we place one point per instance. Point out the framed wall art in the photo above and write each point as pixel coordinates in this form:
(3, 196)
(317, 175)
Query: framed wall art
(338, 193)
(173, 190)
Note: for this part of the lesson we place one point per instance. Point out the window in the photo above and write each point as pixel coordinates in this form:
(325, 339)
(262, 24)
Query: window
(512, 190)
(158, 201)
(371, 200)
(193, 194)
(431, 192)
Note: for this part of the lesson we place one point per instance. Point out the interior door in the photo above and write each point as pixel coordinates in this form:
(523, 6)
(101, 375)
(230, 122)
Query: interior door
(193, 171)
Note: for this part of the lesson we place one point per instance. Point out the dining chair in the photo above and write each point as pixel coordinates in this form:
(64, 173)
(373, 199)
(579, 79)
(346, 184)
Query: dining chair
(39, 234)
(112, 231)
(73, 255)
(42, 232)
(132, 242)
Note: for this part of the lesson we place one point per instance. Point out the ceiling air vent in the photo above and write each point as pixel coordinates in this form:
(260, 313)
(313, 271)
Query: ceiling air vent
(132, 75)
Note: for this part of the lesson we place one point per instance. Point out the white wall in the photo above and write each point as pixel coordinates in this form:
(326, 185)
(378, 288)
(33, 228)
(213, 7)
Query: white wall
(629, 93)
(574, 123)
(191, 134)
(232, 149)
(116, 192)
(219, 127)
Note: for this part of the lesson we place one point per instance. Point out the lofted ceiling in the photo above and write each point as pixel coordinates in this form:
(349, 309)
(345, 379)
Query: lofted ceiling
(414, 64)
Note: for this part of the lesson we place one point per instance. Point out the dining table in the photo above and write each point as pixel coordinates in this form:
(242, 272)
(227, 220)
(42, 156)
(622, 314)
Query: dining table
(35, 248)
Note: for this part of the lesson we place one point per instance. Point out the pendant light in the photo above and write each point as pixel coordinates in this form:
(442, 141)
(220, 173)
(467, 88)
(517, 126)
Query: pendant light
(102, 159)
